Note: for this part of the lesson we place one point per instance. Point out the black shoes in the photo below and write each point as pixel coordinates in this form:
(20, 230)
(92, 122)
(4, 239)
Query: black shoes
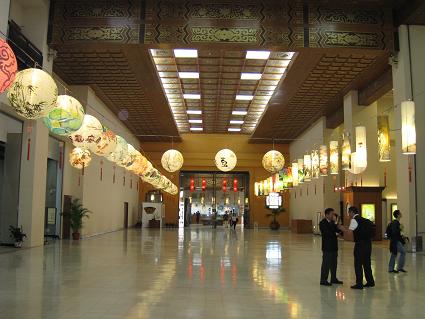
(325, 283)
(337, 282)
(357, 287)
(369, 285)
(393, 271)
(402, 270)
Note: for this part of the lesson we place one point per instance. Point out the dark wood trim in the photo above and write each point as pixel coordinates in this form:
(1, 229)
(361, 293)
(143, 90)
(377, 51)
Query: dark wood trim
(377, 88)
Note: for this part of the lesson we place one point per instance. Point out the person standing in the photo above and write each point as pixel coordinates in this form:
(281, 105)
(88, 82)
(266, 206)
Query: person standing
(361, 229)
(329, 232)
(234, 220)
(397, 243)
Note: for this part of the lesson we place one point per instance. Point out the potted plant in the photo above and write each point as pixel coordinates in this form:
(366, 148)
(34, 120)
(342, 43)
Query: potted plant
(274, 224)
(76, 214)
(17, 234)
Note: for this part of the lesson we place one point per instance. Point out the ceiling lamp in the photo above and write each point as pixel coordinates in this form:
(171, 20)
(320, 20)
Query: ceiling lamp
(120, 151)
(8, 66)
(333, 157)
(172, 160)
(189, 75)
(307, 168)
(295, 173)
(190, 96)
(273, 161)
(355, 168)
(196, 129)
(33, 94)
(66, 118)
(315, 162)
(383, 139)
(300, 170)
(361, 149)
(323, 166)
(236, 122)
(408, 128)
(236, 112)
(251, 76)
(241, 97)
(346, 153)
(256, 189)
(194, 112)
(185, 53)
(88, 134)
(234, 129)
(259, 55)
(225, 160)
(79, 158)
(105, 144)
(195, 121)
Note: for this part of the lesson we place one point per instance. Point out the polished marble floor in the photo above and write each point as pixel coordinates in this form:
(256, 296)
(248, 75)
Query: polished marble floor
(199, 273)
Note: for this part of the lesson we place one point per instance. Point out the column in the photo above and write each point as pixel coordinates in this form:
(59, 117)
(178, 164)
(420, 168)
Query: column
(409, 83)
(4, 16)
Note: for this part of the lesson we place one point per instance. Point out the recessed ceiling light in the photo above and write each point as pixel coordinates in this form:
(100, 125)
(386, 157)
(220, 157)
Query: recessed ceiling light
(239, 112)
(236, 122)
(234, 129)
(192, 96)
(196, 129)
(244, 97)
(251, 76)
(185, 53)
(189, 75)
(197, 112)
(261, 55)
(195, 121)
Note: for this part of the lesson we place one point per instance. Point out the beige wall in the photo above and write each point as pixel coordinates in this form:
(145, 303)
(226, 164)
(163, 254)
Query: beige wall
(199, 151)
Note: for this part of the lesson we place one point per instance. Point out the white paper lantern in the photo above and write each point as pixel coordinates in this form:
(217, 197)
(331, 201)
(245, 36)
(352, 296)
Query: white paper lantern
(346, 153)
(105, 144)
(307, 167)
(384, 138)
(333, 157)
(79, 158)
(225, 160)
(132, 155)
(120, 151)
(355, 169)
(323, 160)
(66, 118)
(88, 134)
(273, 161)
(172, 160)
(408, 127)
(300, 170)
(33, 94)
(361, 149)
(295, 174)
(315, 164)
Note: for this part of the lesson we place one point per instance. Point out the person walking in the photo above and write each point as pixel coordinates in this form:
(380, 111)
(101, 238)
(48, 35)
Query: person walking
(234, 220)
(362, 231)
(329, 230)
(397, 243)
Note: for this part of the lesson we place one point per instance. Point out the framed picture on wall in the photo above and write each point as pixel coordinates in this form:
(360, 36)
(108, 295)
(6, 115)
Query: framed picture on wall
(368, 211)
(393, 208)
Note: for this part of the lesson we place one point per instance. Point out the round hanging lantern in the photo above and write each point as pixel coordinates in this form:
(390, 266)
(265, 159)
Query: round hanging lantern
(66, 118)
(139, 165)
(273, 161)
(120, 151)
(172, 160)
(8, 66)
(105, 144)
(33, 94)
(225, 160)
(88, 134)
(79, 158)
(132, 155)
(355, 168)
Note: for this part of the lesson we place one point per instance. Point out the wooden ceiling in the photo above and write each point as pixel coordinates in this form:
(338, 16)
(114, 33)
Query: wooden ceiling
(107, 45)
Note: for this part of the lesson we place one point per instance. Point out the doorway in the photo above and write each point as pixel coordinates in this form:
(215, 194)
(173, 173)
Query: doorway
(125, 215)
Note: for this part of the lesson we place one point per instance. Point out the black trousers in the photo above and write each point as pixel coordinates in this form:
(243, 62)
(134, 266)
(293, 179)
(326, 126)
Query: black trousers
(362, 252)
(329, 264)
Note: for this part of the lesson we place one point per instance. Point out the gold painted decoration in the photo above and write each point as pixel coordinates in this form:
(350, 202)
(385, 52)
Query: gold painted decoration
(315, 164)
(172, 160)
(273, 161)
(225, 160)
(408, 127)
(307, 168)
(383, 139)
(346, 153)
(88, 134)
(33, 93)
(333, 157)
(323, 160)
(79, 158)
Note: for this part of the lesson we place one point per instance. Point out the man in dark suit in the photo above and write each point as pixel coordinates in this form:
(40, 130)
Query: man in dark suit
(329, 231)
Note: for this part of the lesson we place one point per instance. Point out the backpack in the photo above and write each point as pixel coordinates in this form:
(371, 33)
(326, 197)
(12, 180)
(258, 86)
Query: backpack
(388, 231)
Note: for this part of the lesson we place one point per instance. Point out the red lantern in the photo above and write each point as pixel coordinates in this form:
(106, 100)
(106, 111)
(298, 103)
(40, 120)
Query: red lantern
(192, 184)
(224, 185)
(8, 66)
(235, 185)
(204, 184)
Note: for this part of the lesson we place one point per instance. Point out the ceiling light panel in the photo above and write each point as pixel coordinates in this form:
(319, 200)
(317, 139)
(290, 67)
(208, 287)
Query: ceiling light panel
(258, 55)
(196, 129)
(195, 121)
(191, 96)
(185, 53)
(236, 122)
(250, 76)
(234, 129)
(194, 112)
(189, 75)
(236, 112)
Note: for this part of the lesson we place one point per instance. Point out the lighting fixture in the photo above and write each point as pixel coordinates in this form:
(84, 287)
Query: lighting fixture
(244, 97)
(194, 112)
(195, 121)
(234, 129)
(196, 129)
(192, 96)
(239, 112)
(361, 148)
(236, 122)
(185, 53)
(189, 75)
(408, 127)
(251, 76)
(260, 55)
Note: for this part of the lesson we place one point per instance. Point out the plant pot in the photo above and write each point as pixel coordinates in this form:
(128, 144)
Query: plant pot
(18, 244)
(76, 236)
(274, 225)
